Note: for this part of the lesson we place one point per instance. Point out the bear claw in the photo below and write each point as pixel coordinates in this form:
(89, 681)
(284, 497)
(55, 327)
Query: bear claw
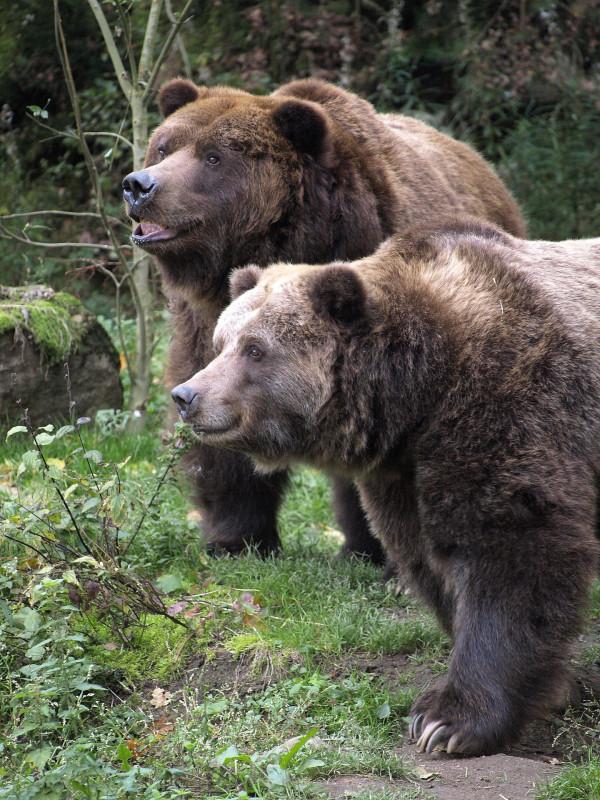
(414, 726)
(434, 737)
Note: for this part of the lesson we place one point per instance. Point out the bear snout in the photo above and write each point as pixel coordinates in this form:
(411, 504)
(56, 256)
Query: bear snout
(184, 395)
(138, 189)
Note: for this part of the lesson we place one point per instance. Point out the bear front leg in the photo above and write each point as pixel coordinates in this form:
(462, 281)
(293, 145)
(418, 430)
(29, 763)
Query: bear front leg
(238, 505)
(353, 523)
(516, 614)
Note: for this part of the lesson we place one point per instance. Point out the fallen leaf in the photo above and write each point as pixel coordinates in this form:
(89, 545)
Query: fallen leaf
(110, 646)
(162, 726)
(136, 748)
(424, 774)
(176, 608)
(160, 698)
(192, 612)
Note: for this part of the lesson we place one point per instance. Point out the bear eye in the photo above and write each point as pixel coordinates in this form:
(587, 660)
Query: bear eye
(213, 159)
(161, 152)
(254, 352)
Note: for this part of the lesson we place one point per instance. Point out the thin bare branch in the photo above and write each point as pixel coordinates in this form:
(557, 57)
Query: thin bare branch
(112, 134)
(149, 40)
(6, 234)
(113, 52)
(187, 66)
(89, 161)
(126, 28)
(49, 212)
(166, 48)
(149, 505)
(72, 135)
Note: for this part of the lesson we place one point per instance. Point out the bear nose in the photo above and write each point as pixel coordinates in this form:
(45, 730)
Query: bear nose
(184, 396)
(138, 187)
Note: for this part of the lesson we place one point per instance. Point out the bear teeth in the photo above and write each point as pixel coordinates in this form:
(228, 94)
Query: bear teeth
(147, 228)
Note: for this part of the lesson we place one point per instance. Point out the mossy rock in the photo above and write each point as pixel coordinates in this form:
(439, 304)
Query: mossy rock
(41, 331)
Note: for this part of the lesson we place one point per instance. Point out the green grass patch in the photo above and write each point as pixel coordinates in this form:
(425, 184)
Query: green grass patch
(579, 782)
(318, 605)
(240, 743)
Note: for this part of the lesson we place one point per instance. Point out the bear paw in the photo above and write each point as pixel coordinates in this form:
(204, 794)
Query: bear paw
(443, 726)
(217, 548)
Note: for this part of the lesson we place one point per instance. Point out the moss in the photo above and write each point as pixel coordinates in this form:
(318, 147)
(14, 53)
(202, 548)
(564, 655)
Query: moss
(56, 321)
(158, 651)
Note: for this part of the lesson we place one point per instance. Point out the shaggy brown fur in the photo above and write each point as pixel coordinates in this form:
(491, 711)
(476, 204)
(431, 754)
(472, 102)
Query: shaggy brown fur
(310, 173)
(456, 377)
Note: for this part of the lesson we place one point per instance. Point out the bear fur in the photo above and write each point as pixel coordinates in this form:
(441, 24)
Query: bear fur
(455, 376)
(308, 174)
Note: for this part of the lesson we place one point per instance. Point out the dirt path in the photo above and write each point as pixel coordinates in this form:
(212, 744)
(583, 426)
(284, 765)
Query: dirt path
(498, 777)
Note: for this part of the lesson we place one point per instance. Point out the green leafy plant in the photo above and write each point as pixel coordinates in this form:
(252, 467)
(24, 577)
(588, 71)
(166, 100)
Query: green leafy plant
(82, 521)
(272, 770)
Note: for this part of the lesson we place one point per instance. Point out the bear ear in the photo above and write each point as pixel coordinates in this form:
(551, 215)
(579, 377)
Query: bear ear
(243, 279)
(338, 294)
(176, 93)
(305, 125)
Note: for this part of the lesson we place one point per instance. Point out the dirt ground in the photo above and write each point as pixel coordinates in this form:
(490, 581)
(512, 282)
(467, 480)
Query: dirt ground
(513, 775)
(498, 777)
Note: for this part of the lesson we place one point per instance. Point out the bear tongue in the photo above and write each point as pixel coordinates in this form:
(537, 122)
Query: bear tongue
(150, 230)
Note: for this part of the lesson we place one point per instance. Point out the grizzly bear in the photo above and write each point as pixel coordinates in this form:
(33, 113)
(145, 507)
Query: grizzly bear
(455, 376)
(308, 174)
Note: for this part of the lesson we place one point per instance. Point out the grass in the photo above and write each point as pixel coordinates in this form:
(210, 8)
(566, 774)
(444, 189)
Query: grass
(267, 696)
(578, 782)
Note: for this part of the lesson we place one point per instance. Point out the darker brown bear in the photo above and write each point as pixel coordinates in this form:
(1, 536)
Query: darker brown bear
(456, 378)
(308, 174)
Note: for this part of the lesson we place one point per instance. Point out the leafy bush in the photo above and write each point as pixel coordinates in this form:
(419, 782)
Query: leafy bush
(548, 163)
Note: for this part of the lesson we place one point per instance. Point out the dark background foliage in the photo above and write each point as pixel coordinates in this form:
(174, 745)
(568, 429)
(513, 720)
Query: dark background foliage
(518, 79)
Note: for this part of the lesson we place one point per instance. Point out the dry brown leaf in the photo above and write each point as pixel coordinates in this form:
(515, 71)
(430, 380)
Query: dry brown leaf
(160, 698)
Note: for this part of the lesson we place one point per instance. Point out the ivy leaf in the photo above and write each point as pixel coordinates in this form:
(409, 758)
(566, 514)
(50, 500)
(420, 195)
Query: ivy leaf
(169, 583)
(44, 438)
(64, 430)
(29, 619)
(224, 755)
(277, 775)
(93, 455)
(90, 503)
(39, 757)
(15, 430)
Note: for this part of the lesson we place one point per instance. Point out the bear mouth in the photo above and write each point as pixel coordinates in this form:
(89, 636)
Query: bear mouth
(206, 431)
(149, 232)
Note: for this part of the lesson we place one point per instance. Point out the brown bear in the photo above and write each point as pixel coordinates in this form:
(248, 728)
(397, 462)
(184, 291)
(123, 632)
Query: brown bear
(455, 376)
(308, 174)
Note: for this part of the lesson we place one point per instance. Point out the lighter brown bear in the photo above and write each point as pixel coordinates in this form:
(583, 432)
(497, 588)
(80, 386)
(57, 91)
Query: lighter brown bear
(455, 376)
(308, 174)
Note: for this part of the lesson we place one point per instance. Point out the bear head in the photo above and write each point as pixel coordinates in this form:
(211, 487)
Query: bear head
(273, 390)
(224, 171)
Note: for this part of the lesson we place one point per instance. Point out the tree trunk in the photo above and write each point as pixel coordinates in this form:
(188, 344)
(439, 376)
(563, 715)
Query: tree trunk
(142, 280)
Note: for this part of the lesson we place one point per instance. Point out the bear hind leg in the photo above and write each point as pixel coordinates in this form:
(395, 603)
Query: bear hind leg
(353, 522)
(238, 506)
